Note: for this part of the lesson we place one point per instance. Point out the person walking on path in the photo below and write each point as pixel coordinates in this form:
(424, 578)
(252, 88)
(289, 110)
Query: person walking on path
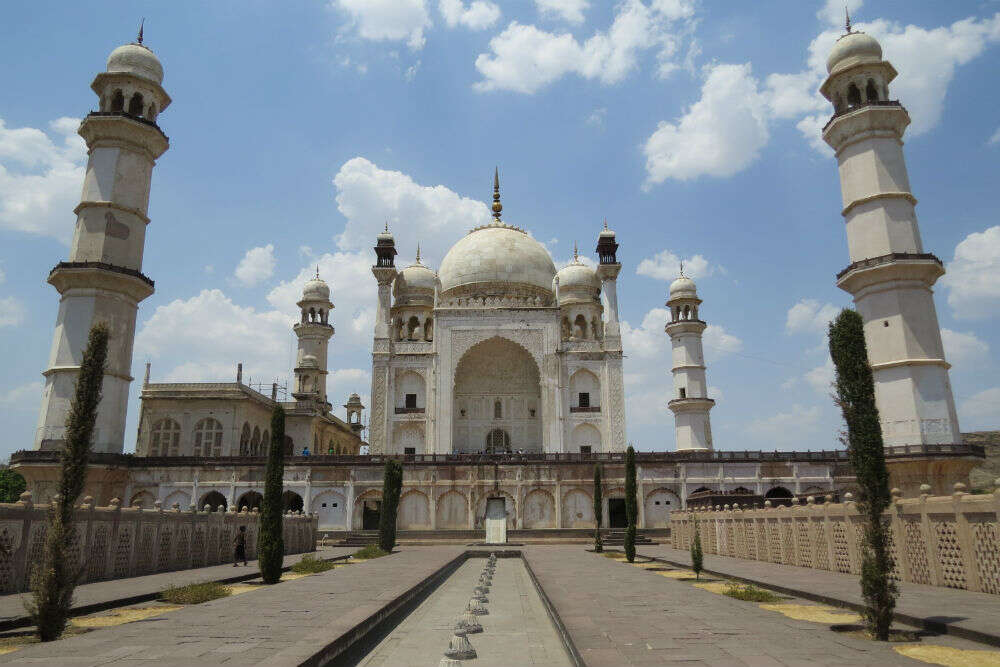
(240, 547)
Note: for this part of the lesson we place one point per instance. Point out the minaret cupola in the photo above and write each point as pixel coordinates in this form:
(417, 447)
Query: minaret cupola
(314, 332)
(607, 246)
(385, 249)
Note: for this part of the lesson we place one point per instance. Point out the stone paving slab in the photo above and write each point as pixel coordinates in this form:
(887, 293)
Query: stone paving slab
(967, 614)
(103, 594)
(620, 615)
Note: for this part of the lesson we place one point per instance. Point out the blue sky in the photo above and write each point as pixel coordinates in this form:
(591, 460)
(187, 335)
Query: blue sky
(298, 128)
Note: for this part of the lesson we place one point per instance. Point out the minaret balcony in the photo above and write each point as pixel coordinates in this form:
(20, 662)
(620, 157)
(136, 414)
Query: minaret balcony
(100, 275)
(886, 118)
(691, 404)
(109, 126)
(921, 266)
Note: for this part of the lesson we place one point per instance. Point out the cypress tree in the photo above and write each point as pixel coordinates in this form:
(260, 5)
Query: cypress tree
(598, 510)
(54, 579)
(270, 541)
(392, 485)
(855, 395)
(697, 555)
(631, 509)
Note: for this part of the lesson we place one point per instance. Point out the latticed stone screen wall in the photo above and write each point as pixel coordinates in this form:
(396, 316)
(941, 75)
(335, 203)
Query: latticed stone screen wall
(114, 542)
(951, 541)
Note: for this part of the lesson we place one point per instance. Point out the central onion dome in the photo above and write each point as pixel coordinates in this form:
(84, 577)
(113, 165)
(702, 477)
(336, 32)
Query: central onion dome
(497, 259)
(138, 60)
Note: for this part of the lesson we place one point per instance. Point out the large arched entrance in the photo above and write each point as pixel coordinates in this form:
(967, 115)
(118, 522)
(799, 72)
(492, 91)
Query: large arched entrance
(497, 401)
(249, 500)
(214, 500)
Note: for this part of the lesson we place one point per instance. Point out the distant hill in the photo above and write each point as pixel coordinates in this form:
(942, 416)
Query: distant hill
(983, 476)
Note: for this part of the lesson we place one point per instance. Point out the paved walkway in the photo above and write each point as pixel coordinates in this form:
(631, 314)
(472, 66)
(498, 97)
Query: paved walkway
(277, 626)
(966, 614)
(98, 595)
(620, 615)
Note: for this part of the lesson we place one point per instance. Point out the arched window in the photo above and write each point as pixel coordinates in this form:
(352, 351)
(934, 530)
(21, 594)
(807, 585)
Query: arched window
(245, 440)
(413, 328)
(135, 105)
(565, 328)
(580, 326)
(151, 112)
(778, 492)
(291, 501)
(265, 444)
(428, 329)
(214, 500)
(498, 410)
(399, 329)
(871, 92)
(255, 442)
(289, 446)
(687, 312)
(250, 500)
(118, 101)
(165, 438)
(208, 438)
(853, 96)
(838, 103)
(497, 440)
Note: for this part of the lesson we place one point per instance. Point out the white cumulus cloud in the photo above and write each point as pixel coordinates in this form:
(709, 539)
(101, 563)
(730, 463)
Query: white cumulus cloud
(718, 343)
(719, 135)
(433, 216)
(821, 377)
(22, 397)
(971, 281)
(810, 316)
(963, 348)
(665, 265)
(981, 410)
(567, 10)
(11, 312)
(256, 266)
(525, 58)
(479, 15)
(389, 20)
(40, 178)
(793, 428)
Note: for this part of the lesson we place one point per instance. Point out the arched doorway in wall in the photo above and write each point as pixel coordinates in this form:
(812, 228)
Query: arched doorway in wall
(249, 500)
(214, 500)
(497, 386)
(291, 501)
(778, 492)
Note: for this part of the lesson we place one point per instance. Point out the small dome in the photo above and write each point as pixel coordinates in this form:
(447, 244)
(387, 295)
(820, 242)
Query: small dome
(607, 233)
(138, 60)
(497, 255)
(683, 287)
(385, 236)
(316, 290)
(852, 49)
(415, 277)
(309, 361)
(578, 275)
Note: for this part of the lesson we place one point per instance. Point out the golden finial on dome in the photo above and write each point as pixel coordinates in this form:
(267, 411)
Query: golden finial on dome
(682, 271)
(605, 222)
(497, 206)
(418, 253)
(847, 17)
(141, 23)
(576, 253)
(317, 272)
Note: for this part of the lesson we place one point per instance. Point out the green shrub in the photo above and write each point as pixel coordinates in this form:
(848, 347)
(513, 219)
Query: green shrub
(270, 544)
(53, 579)
(855, 396)
(369, 552)
(309, 564)
(196, 593)
(392, 485)
(697, 555)
(749, 592)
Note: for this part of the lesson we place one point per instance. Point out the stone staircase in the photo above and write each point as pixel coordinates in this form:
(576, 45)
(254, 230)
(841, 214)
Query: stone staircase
(616, 538)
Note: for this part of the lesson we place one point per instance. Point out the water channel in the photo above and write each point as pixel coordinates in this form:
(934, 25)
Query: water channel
(516, 631)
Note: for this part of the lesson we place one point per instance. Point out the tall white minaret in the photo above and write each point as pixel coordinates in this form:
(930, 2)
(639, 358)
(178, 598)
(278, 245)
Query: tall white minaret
(103, 280)
(314, 332)
(890, 275)
(384, 271)
(690, 403)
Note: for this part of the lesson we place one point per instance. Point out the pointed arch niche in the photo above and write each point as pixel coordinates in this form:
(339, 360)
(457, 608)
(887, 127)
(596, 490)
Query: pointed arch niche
(497, 386)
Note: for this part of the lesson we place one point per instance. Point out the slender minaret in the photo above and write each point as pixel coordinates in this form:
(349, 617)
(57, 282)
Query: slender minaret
(384, 271)
(690, 403)
(314, 332)
(890, 275)
(103, 280)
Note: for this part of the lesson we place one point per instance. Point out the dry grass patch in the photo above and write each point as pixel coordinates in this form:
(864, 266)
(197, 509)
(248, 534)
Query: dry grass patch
(749, 593)
(369, 552)
(950, 657)
(309, 564)
(122, 616)
(813, 612)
